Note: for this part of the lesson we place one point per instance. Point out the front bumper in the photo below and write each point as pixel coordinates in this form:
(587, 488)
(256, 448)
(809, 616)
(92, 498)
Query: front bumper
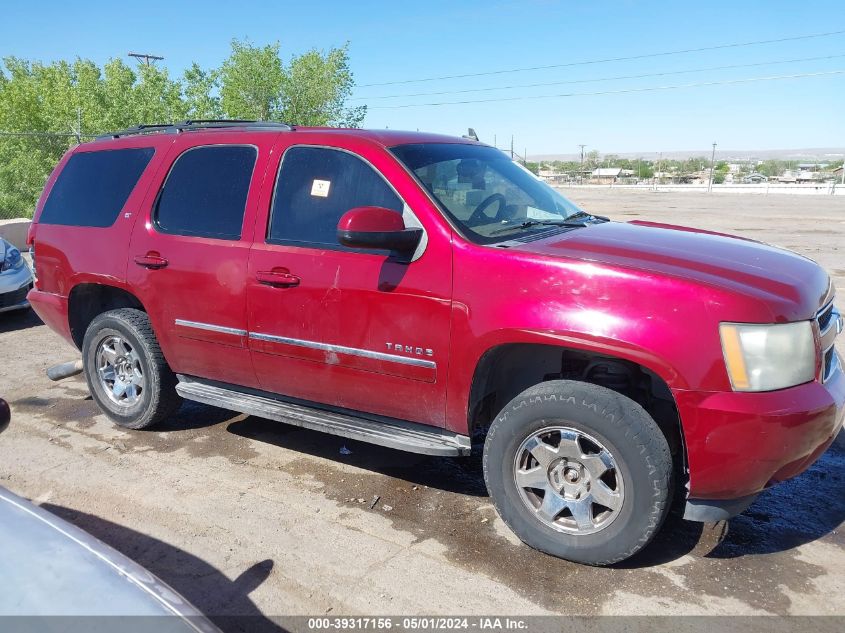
(738, 444)
(14, 285)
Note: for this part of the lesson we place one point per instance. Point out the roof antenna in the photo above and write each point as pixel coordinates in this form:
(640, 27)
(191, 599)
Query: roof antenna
(471, 135)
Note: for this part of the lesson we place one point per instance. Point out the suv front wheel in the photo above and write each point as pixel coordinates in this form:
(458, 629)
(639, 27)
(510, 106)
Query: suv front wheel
(578, 471)
(126, 371)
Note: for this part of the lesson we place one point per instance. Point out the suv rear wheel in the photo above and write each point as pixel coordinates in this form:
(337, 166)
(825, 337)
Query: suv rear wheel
(126, 371)
(578, 471)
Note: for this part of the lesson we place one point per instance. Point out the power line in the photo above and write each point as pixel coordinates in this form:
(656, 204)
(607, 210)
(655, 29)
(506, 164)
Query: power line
(607, 60)
(614, 92)
(600, 79)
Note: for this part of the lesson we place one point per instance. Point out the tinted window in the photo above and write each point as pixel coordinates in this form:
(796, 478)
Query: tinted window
(205, 193)
(315, 187)
(93, 187)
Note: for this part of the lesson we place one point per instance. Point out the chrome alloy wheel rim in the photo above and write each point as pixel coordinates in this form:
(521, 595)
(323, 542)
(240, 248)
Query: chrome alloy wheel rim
(119, 370)
(568, 480)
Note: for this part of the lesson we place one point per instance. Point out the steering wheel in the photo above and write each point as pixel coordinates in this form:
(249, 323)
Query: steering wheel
(478, 215)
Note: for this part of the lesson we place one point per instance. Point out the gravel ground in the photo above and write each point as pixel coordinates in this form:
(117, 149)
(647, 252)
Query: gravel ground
(251, 517)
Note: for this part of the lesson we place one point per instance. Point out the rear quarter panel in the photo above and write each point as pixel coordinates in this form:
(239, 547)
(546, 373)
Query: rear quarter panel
(70, 255)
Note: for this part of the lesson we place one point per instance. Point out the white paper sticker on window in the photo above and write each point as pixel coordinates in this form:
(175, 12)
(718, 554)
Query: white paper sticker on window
(320, 188)
(532, 213)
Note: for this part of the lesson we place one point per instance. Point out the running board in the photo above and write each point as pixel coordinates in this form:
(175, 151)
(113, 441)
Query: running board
(399, 434)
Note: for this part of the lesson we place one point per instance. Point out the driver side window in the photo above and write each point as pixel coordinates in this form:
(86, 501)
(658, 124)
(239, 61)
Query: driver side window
(315, 187)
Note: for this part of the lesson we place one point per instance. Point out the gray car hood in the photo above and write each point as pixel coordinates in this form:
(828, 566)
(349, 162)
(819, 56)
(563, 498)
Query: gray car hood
(49, 567)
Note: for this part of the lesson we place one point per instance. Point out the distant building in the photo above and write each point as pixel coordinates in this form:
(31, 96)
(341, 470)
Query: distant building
(792, 176)
(696, 178)
(755, 178)
(554, 177)
(607, 174)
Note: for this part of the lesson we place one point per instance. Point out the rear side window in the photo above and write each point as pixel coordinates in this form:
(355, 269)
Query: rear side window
(93, 187)
(315, 187)
(205, 193)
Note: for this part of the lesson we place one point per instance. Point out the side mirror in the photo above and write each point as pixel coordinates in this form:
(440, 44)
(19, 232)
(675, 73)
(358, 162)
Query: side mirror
(377, 228)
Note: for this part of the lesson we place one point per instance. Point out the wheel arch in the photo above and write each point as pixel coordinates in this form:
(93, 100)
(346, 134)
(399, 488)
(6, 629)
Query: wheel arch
(87, 300)
(507, 369)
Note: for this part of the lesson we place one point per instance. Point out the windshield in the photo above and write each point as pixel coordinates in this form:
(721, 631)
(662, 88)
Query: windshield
(488, 196)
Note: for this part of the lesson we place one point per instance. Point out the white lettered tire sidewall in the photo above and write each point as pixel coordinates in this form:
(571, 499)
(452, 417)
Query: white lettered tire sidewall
(623, 428)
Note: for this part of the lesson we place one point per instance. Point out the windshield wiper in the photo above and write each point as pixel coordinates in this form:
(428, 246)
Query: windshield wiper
(577, 219)
(587, 216)
(529, 223)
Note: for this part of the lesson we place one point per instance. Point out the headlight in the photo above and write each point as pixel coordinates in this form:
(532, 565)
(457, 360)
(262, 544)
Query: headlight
(768, 357)
(13, 260)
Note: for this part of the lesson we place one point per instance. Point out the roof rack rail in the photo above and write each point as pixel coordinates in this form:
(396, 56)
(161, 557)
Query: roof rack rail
(196, 124)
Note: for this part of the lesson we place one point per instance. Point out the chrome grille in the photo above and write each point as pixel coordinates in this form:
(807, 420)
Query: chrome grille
(824, 316)
(830, 324)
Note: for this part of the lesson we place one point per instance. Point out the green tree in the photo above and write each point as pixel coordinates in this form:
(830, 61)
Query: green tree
(315, 88)
(118, 97)
(28, 93)
(771, 168)
(312, 89)
(645, 169)
(200, 89)
(45, 108)
(156, 98)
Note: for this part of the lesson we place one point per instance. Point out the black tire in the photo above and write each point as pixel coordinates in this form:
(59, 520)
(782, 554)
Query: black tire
(623, 428)
(158, 398)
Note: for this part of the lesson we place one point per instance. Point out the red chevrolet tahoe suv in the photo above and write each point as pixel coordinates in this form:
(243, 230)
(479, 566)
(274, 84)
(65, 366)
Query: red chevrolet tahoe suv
(426, 293)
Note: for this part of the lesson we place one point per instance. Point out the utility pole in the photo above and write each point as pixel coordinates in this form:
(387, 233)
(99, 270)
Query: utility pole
(581, 173)
(712, 160)
(146, 57)
(525, 156)
(654, 179)
(511, 146)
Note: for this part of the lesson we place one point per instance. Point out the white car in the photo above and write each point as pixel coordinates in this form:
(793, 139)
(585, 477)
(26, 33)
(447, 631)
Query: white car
(15, 278)
(51, 568)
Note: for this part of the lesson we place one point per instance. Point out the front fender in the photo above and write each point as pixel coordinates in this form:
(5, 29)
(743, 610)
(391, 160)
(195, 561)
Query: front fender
(666, 324)
(466, 362)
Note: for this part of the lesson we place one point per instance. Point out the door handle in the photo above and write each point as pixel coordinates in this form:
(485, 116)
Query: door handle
(277, 278)
(153, 261)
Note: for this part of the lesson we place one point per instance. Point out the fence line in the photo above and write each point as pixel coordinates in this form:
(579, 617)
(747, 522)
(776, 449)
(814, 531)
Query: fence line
(826, 189)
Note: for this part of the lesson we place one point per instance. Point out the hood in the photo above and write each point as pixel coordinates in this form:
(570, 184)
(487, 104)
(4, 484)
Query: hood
(736, 264)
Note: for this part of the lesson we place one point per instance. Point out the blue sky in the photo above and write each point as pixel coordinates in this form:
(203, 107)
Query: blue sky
(396, 41)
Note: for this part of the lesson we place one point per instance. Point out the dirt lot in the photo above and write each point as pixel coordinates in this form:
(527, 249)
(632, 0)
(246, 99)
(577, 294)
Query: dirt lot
(246, 516)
